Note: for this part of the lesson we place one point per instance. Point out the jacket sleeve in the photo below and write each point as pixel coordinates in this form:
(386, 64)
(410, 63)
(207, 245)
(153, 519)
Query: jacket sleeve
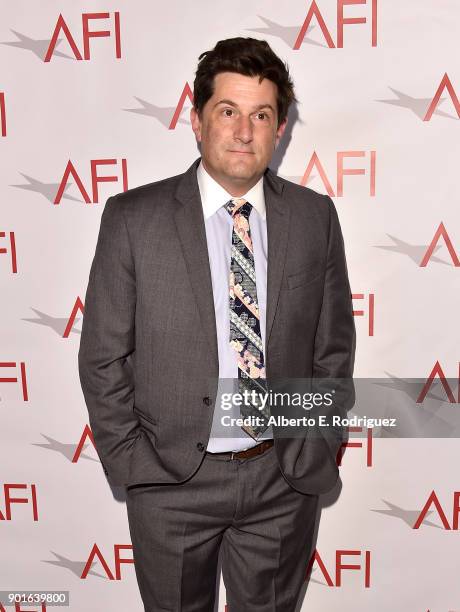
(335, 340)
(108, 343)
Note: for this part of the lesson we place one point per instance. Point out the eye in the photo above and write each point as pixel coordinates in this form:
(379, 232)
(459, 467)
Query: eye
(262, 115)
(228, 112)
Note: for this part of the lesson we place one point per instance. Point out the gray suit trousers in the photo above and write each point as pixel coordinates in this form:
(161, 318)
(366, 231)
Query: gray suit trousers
(264, 526)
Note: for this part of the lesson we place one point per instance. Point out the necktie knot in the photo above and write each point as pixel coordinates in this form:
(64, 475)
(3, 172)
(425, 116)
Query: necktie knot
(238, 206)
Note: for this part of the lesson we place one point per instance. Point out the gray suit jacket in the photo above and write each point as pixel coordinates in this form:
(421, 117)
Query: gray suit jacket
(148, 357)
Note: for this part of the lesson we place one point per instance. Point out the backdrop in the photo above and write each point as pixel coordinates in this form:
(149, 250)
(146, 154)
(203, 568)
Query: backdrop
(95, 99)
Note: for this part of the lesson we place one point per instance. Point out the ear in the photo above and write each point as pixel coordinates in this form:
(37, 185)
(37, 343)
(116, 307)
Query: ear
(280, 131)
(196, 123)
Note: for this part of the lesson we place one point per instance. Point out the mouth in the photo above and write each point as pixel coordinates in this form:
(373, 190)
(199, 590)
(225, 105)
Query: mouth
(242, 152)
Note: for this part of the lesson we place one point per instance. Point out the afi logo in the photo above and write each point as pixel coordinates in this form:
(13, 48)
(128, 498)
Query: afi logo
(370, 310)
(95, 179)
(438, 371)
(340, 566)
(186, 93)
(117, 559)
(434, 501)
(2, 114)
(18, 608)
(440, 232)
(14, 379)
(342, 171)
(87, 434)
(10, 249)
(314, 11)
(368, 443)
(168, 116)
(86, 34)
(78, 306)
(10, 500)
(445, 84)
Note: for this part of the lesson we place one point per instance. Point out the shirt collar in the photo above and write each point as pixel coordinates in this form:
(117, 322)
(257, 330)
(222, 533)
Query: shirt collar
(214, 196)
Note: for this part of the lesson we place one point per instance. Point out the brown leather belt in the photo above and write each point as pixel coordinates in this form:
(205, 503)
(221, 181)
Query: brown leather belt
(250, 452)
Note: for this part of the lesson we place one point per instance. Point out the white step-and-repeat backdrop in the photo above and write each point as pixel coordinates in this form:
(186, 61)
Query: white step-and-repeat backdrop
(95, 99)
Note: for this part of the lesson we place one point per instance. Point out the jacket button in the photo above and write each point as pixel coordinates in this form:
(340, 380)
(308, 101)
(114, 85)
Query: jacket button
(200, 446)
(207, 400)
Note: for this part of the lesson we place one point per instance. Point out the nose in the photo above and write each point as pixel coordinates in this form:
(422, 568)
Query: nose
(243, 129)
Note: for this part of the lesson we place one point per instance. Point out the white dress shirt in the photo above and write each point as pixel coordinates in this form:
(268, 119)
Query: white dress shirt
(219, 228)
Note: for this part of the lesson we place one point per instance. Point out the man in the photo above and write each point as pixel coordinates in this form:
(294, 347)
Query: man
(225, 272)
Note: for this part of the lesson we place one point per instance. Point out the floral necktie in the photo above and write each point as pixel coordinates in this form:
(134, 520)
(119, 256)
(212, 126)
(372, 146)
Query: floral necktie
(245, 336)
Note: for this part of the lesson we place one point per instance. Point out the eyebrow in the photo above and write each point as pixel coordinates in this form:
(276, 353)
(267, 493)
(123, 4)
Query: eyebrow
(231, 103)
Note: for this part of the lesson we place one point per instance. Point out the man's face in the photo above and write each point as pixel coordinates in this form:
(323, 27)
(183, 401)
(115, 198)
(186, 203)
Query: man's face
(238, 130)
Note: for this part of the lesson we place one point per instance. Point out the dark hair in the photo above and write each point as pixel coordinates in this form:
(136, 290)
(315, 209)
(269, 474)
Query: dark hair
(247, 56)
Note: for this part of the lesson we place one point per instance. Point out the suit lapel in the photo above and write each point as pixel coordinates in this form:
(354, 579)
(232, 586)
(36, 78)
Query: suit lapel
(191, 229)
(192, 234)
(278, 214)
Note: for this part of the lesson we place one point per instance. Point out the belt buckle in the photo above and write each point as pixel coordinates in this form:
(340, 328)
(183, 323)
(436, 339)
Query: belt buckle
(232, 455)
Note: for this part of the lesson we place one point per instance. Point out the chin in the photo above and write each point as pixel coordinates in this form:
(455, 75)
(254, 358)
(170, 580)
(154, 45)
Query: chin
(243, 170)
(242, 176)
